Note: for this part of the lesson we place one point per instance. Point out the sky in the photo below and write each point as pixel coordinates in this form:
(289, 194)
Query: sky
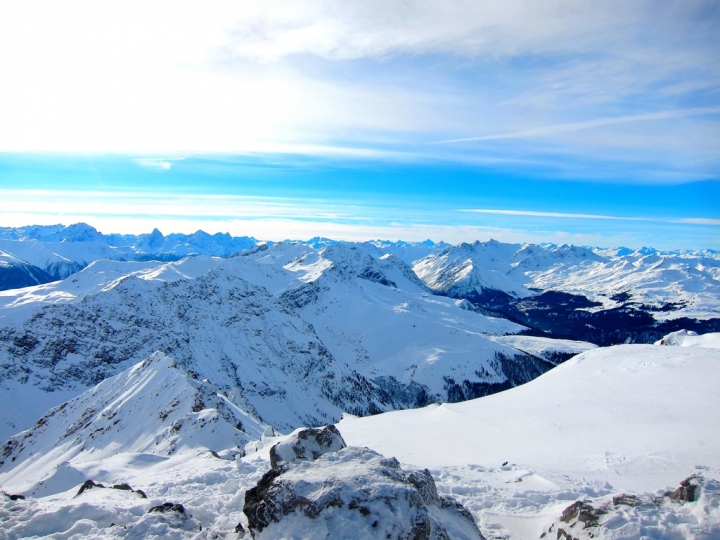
(565, 121)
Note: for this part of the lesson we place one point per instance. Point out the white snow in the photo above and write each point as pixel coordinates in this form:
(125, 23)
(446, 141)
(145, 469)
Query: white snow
(630, 418)
(293, 333)
(691, 280)
(688, 338)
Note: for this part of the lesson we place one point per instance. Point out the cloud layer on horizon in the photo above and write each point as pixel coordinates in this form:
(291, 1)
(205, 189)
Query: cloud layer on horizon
(274, 218)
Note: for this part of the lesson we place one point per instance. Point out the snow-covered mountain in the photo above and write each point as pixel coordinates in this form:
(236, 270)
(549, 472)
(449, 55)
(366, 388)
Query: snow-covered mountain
(16, 273)
(254, 346)
(292, 334)
(603, 296)
(156, 407)
(63, 250)
(173, 364)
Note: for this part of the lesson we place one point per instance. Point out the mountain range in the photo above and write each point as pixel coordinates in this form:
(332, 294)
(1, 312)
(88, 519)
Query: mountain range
(176, 363)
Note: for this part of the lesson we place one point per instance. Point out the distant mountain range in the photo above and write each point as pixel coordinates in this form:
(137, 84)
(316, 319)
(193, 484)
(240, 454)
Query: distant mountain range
(600, 295)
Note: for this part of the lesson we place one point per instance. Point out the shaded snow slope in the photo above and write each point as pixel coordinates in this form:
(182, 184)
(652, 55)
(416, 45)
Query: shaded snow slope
(156, 407)
(16, 273)
(638, 416)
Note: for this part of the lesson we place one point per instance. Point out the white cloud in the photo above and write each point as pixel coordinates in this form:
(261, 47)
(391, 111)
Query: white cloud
(371, 79)
(557, 215)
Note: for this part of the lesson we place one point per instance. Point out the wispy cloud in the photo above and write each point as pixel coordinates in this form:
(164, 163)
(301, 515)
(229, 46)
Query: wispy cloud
(277, 218)
(589, 124)
(699, 221)
(560, 215)
(566, 215)
(155, 163)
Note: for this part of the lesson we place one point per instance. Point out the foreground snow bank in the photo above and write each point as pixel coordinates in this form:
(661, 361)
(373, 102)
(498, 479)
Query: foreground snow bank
(638, 416)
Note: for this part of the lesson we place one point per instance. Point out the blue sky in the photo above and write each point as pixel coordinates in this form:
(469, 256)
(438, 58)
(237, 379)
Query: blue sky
(579, 122)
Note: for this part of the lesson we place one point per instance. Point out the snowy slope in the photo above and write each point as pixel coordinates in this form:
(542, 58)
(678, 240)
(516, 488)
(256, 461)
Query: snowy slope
(689, 280)
(15, 273)
(613, 413)
(156, 407)
(608, 425)
(632, 419)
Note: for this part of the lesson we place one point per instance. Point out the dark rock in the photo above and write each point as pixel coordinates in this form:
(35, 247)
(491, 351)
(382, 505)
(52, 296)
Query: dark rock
(126, 487)
(88, 484)
(239, 528)
(563, 535)
(627, 500)
(425, 485)
(687, 491)
(584, 513)
(14, 497)
(168, 507)
(256, 501)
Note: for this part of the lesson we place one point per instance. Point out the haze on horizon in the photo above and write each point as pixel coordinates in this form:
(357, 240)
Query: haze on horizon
(562, 121)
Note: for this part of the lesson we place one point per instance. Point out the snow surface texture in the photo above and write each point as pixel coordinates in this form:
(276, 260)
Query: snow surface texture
(630, 419)
(319, 488)
(293, 335)
(517, 478)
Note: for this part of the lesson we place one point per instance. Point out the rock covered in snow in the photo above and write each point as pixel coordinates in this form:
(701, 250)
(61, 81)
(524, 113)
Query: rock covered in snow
(320, 488)
(690, 511)
(308, 443)
(688, 338)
